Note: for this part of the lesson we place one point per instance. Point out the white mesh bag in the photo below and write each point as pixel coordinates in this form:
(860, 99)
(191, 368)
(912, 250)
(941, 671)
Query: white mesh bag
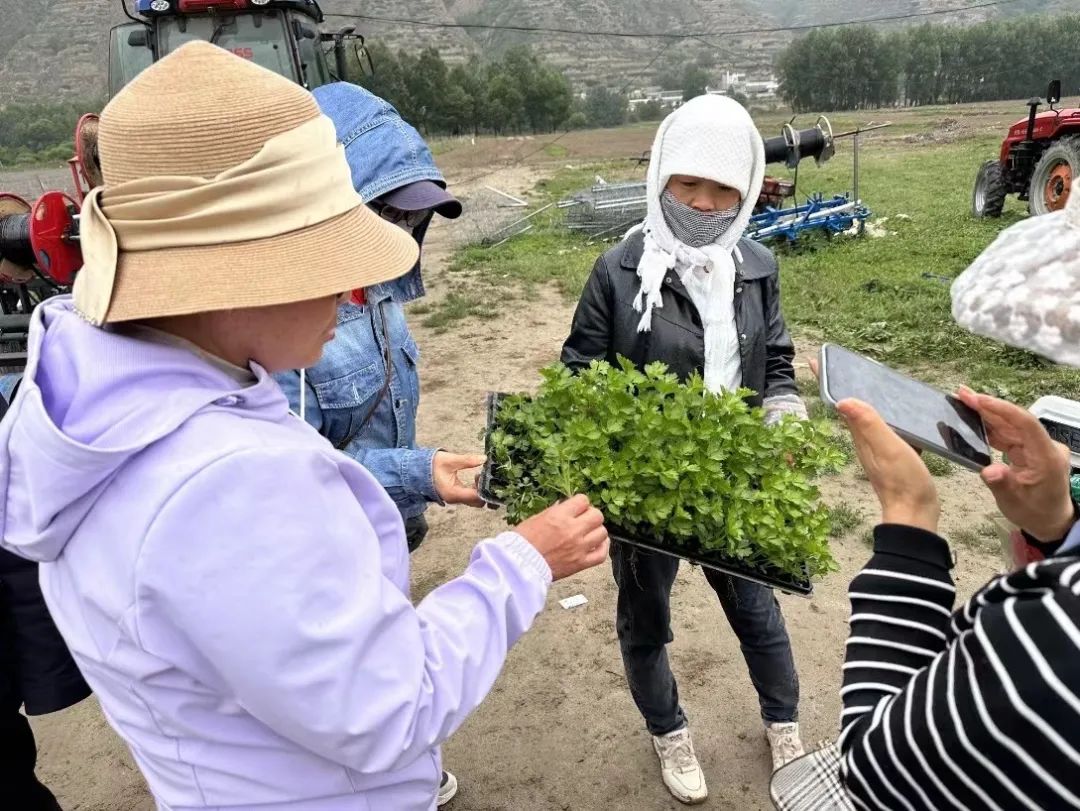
(1024, 290)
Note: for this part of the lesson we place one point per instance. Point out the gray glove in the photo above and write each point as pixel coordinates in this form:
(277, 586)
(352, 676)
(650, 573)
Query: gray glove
(778, 407)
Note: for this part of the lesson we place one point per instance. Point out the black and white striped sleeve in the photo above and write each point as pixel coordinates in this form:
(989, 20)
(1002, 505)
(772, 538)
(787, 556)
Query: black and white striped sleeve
(980, 710)
(901, 603)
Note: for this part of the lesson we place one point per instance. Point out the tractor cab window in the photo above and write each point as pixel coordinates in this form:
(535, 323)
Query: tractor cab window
(258, 37)
(312, 58)
(129, 55)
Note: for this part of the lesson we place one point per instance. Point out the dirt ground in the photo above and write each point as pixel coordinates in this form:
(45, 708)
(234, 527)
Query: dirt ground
(559, 731)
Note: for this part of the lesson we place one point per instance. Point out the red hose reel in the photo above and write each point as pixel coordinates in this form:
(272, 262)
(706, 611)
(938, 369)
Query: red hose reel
(42, 237)
(42, 240)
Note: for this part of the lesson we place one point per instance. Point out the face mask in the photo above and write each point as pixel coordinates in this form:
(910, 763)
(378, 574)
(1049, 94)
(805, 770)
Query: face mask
(414, 223)
(696, 228)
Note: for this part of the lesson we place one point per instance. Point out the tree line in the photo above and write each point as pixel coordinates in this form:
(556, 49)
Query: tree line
(849, 68)
(861, 67)
(515, 93)
(39, 132)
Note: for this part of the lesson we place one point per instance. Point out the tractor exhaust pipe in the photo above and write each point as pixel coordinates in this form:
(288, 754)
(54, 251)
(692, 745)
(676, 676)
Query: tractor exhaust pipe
(341, 63)
(1033, 109)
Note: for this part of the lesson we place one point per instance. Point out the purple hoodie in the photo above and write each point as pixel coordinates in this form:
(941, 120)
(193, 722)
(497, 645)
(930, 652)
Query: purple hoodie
(235, 590)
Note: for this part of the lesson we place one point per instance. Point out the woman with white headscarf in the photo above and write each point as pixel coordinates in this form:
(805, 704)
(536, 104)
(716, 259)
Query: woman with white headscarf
(686, 289)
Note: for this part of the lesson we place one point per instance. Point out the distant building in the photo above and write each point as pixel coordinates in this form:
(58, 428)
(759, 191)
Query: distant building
(729, 79)
(765, 89)
(735, 84)
(667, 99)
(731, 84)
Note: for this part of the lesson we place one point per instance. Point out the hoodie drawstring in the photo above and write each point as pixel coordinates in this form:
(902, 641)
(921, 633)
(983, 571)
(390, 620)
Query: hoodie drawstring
(303, 394)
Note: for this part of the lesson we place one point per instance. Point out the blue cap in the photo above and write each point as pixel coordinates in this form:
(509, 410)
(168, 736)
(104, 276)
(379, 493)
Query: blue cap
(387, 156)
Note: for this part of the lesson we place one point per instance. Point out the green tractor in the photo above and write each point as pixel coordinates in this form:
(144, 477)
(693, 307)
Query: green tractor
(281, 35)
(39, 247)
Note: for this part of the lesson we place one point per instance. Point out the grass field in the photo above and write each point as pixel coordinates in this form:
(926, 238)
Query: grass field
(887, 296)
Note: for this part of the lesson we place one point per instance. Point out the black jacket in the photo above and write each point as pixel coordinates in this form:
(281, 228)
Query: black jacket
(605, 324)
(36, 668)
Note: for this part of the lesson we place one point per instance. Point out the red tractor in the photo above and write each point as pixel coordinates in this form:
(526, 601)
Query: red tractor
(1039, 159)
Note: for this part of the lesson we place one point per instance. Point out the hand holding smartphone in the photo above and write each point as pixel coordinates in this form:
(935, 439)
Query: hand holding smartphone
(927, 418)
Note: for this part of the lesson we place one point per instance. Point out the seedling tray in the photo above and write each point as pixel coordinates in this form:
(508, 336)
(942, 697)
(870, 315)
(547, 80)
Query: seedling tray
(768, 576)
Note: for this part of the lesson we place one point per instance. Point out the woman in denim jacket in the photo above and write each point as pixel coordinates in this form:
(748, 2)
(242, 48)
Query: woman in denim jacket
(364, 393)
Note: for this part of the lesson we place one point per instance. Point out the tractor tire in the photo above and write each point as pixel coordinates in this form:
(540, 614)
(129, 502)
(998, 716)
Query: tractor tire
(988, 196)
(1052, 179)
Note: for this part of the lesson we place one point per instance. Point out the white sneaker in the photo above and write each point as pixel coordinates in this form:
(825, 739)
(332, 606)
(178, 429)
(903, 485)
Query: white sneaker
(784, 742)
(679, 767)
(447, 789)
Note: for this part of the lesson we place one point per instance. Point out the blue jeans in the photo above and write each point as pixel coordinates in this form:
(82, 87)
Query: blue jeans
(416, 530)
(643, 623)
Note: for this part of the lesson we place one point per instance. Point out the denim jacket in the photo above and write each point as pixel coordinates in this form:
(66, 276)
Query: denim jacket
(345, 385)
(384, 153)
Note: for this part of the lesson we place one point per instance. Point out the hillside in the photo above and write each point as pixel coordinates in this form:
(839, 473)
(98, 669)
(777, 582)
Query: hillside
(58, 48)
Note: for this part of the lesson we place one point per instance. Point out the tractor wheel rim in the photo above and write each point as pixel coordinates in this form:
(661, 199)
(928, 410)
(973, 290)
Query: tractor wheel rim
(1058, 186)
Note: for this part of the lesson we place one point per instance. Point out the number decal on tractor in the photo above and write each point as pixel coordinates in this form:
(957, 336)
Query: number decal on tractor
(246, 53)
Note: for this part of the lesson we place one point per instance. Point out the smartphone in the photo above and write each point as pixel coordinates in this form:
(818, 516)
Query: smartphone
(927, 418)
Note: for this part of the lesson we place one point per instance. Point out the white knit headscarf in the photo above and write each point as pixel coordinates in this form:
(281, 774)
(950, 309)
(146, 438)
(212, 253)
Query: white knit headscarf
(711, 137)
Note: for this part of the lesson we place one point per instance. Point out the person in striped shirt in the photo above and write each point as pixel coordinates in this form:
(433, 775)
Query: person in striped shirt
(976, 707)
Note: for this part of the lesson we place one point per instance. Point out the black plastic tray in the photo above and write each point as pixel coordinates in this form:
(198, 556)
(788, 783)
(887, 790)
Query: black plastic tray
(711, 560)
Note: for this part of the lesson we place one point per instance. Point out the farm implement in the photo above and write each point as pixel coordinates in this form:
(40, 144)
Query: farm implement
(607, 210)
(835, 215)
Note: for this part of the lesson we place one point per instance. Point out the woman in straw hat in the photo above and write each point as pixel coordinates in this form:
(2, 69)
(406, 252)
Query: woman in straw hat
(233, 589)
(977, 708)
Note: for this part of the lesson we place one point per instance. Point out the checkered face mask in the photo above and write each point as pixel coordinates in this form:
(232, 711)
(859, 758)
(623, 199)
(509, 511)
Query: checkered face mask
(696, 228)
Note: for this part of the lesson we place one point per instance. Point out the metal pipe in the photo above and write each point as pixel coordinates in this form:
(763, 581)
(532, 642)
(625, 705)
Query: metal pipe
(517, 202)
(855, 149)
(860, 130)
(524, 230)
(527, 218)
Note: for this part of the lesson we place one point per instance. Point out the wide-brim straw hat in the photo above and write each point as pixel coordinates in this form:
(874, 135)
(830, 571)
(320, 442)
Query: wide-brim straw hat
(198, 113)
(1024, 290)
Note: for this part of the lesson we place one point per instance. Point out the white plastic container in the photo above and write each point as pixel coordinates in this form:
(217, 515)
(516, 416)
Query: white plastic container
(1062, 420)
